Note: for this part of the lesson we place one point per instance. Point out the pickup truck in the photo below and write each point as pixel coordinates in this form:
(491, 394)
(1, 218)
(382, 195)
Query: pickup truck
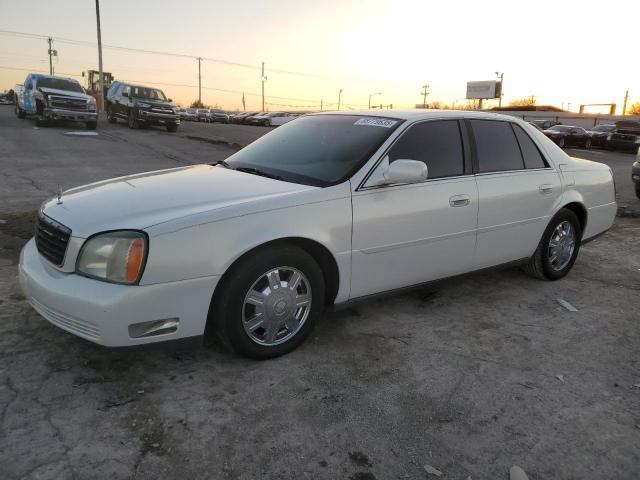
(48, 98)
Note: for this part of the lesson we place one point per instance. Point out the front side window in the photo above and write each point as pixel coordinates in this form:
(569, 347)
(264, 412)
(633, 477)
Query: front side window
(437, 143)
(316, 150)
(532, 156)
(496, 146)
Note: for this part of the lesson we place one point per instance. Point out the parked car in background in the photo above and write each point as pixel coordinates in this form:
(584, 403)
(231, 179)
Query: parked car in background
(635, 173)
(568, 136)
(8, 97)
(625, 137)
(248, 120)
(545, 124)
(139, 105)
(217, 115)
(599, 134)
(191, 114)
(271, 119)
(183, 113)
(202, 115)
(253, 249)
(239, 117)
(48, 98)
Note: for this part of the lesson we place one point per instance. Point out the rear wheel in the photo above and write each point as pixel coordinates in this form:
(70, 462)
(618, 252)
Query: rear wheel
(268, 303)
(558, 248)
(133, 119)
(561, 142)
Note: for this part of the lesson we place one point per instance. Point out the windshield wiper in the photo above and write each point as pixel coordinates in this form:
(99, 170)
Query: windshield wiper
(255, 171)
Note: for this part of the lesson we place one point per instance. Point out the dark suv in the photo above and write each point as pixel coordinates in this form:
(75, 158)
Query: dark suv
(140, 105)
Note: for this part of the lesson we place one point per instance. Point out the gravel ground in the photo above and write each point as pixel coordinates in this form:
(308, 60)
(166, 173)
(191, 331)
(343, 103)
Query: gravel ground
(469, 376)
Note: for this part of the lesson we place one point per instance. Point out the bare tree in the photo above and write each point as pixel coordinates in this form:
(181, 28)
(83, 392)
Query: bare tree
(634, 109)
(523, 102)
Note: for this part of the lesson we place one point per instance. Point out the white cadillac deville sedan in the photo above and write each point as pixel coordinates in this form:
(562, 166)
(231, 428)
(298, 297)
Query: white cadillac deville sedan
(325, 210)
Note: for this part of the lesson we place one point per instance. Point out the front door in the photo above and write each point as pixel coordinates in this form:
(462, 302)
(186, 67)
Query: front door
(409, 234)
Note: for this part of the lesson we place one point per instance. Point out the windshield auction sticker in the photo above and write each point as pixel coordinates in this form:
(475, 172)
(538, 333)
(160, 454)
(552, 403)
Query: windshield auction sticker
(376, 122)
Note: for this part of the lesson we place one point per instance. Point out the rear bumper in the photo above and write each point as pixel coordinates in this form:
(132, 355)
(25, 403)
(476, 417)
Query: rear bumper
(61, 114)
(104, 312)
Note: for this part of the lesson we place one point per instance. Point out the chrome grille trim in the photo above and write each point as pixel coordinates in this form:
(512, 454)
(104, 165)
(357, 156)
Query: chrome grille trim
(52, 239)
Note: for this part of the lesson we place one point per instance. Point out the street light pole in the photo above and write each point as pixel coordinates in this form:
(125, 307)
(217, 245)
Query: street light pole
(264, 79)
(100, 99)
(371, 95)
(339, 97)
(50, 55)
(199, 83)
(425, 92)
(500, 75)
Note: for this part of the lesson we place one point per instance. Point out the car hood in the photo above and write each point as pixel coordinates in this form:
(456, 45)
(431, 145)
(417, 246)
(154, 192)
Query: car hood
(66, 93)
(143, 200)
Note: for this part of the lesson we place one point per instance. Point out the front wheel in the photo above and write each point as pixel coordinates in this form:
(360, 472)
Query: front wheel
(587, 144)
(172, 127)
(561, 142)
(558, 248)
(638, 189)
(268, 303)
(92, 125)
(110, 115)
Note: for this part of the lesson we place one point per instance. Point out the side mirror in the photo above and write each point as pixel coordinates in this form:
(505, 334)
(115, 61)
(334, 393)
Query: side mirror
(403, 171)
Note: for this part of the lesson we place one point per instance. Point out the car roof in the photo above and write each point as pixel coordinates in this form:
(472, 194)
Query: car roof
(421, 114)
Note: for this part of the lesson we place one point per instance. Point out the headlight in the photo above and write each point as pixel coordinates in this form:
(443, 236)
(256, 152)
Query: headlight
(91, 104)
(117, 257)
(609, 136)
(143, 105)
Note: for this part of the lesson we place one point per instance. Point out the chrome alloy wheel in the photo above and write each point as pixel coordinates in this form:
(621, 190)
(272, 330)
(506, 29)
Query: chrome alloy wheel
(276, 306)
(561, 246)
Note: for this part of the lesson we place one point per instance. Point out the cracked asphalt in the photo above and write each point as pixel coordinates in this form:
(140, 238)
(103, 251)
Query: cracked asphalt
(469, 376)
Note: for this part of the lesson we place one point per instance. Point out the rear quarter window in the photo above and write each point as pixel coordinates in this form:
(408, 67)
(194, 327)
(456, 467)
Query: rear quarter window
(530, 153)
(496, 146)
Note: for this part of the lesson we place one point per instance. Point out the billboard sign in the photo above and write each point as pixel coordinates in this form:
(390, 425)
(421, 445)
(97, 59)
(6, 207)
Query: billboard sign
(483, 89)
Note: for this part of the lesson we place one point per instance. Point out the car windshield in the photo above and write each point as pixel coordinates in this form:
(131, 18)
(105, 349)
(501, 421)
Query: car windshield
(150, 93)
(60, 84)
(318, 150)
(561, 128)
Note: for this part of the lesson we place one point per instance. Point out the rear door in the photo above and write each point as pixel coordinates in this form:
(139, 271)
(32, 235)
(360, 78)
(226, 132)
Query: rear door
(518, 192)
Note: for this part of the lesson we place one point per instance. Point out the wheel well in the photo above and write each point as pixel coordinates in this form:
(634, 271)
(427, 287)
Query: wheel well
(320, 254)
(580, 212)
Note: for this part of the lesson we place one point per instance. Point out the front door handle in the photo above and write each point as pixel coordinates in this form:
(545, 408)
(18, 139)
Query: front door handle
(546, 188)
(459, 201)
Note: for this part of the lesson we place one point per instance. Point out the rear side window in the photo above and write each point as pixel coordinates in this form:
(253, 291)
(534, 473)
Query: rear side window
(532, 156)
(496, 146)
(438, 144)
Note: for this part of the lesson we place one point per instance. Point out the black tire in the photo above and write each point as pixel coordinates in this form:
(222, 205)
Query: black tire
(561, 142)
(638, 189)
(41, 121)
(172, 127)
(267, 123)
(92, 125)
(539, 265)
(111, 118)
(226, 311)
(132, 119)
(587, 144)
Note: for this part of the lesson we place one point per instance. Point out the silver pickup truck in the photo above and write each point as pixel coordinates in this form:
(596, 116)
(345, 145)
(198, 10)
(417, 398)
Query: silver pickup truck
(48, 98)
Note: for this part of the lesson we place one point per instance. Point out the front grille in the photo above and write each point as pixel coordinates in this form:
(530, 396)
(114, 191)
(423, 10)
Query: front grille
(161, 110)
(68, 103)
(52, 239)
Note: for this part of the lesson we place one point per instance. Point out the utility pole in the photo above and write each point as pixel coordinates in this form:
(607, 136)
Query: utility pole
(500, 75)
(339, 97)
(100, 99)
(425, 92)
(371, 95)
(50, 56)
(320, 104)
(264, 79)
(199, 81)
(624, 105)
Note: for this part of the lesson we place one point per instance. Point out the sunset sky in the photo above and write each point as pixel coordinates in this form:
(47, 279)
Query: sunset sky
(559, 51)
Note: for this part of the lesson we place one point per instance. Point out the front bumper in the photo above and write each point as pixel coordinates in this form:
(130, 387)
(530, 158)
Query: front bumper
(103, 312)
(75, 115)
(160, 118)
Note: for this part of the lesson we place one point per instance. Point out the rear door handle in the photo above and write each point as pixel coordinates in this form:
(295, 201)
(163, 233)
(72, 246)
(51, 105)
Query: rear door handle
(546, 188)
(459, 201)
